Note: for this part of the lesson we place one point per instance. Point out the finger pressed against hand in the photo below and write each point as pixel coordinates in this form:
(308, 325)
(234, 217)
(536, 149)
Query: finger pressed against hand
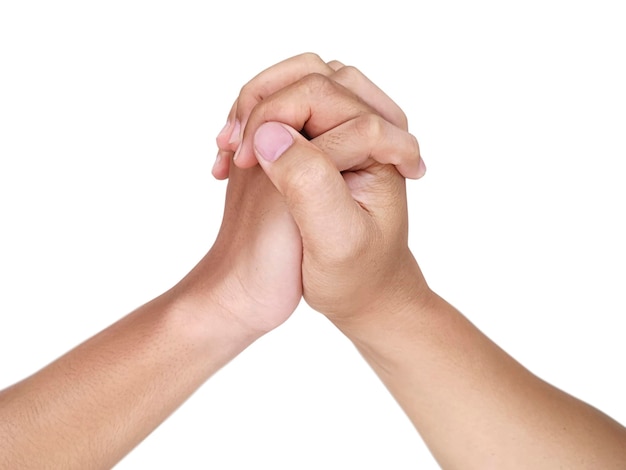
(316, 105)
(298, 70)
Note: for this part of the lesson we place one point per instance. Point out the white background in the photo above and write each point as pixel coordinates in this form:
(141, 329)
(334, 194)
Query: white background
(108, 113)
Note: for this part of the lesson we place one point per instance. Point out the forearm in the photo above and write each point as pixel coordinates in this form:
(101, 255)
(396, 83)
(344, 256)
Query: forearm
(93, 405)
(473, 404)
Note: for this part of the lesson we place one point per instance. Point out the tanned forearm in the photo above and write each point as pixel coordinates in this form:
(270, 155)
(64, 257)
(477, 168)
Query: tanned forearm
(93, 405)
(475, 406)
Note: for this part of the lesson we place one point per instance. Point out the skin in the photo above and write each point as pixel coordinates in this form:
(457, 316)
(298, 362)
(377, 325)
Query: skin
(326, 218)
(320, 95)
(93, 405)
(474, 405)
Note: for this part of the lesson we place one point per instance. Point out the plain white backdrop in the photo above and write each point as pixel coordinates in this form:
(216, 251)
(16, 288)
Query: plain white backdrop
(108, 114)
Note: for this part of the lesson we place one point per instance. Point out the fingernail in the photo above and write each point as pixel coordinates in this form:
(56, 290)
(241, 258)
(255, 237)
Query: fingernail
(224, 130)
(218, 158)
(271, 140)
(237, 152)
(234, 136)
(421, 168)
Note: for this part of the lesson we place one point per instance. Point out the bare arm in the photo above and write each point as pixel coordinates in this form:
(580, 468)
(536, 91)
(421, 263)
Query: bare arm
(93, 405)
(474, 406)
(90, 407)
(472, 403)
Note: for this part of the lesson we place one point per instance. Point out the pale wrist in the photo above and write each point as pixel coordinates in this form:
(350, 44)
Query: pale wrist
(204, 318)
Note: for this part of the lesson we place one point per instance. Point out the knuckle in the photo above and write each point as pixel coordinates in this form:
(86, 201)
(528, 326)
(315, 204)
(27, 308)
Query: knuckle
(349, 77)
(248, 97)
(409, 153)
(401, 119)
(369, 126)
(315, 83)
(350, 74)
(336, 65)
(306, 177)
(415, 147)
(310, 58)
(247, 90)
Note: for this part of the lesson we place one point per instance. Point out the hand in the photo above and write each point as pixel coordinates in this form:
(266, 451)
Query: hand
(471, 402)
(98, 401)
(257, 256)
(316, 79)
(354, 231)
(253, 269)
(356, 260)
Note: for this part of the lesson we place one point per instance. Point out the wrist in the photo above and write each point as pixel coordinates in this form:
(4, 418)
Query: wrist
(201, 316)
(401, 292)
(405, 303)
(247, 301)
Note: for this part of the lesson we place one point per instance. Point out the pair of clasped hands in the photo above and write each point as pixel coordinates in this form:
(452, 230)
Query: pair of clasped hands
(325, 214)
(316, 158)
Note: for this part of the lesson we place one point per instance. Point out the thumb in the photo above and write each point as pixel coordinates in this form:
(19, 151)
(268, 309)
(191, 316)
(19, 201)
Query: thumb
(314, 189)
